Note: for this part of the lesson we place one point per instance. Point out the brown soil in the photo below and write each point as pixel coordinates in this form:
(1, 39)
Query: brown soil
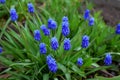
(110, 11)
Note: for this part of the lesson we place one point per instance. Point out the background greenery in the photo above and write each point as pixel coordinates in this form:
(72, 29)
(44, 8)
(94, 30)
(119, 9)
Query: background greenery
(21, 52)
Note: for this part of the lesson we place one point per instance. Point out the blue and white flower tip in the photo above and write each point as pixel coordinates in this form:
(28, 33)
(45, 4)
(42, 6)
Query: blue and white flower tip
(87, 14)
(1, 50)
(54, 43)
(65, 18)
(67, 44)
(2, 1)
(108, 59)
(42, 48)
(13, 14)
(118, 29)
(37, 35)
(85, 41)
(52, 24)
(80, 61)
(45, 30)
(30, 8)
(91, 21)
(51, 62)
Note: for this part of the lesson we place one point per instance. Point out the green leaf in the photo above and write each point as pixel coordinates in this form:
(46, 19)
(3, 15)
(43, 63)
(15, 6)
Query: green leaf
(103, 78)
(46, 77)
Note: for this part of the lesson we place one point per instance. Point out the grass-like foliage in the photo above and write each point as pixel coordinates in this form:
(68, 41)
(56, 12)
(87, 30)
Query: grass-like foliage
(57, 43)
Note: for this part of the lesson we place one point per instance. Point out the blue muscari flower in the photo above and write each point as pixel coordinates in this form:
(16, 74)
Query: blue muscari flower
(30, 8)
(13, 14)
(42, 48)
(91, 21)
(51, 62)
(87, 14)
(85, 41)
(80, 61)
(65, 18)
(52, 24)
(45, 30)
(37, 35)
(118, 29)
(65, 28)
(2, 1)
(1, 50)
(108, 59)
(54, 43)
(67, 44)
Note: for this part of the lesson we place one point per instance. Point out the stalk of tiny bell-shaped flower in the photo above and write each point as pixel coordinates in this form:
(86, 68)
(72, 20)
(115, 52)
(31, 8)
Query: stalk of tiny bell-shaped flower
(85, 41)
(51, 62)
(80, 61)
(2, 1)
(118, 29)
(54, 43)
(42, 48)
(1, 50)
(65, 26)
(108, 59)
(37, 35)
(45, 30)
(52, 24)
(30, 8)
(87, 14)
(67, 44)
(13, 14)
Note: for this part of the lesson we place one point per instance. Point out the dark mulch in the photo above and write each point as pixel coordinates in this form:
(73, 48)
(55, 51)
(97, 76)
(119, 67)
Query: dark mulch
(110, 11)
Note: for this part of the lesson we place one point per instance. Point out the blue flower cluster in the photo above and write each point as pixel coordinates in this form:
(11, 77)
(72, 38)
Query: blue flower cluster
(52, 24)
(51, 62)
(37, 35)
(45, 30)
(80, 61)
(108, 59)
(1, 50)
(54, 43)
(65, 26)
(13, 14)
(67, 44)
(30, 8)
(42, 48)
(87, 14)
(2, 1)
(118, 29)
(85, 41)
(88, 17)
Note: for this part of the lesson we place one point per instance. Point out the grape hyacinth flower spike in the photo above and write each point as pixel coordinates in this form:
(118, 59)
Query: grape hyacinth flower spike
(80, 61)
(13, 14)
(118, 29)
(2, 1)
(37, 35)
(91, 21)
(85, 41)
(51, 62)
(42, 48)
(52, 24)
(108, 59)
(65, 18)
(30, 8)
(54, 43)
(1, 50)
(65, 26)
(67, 44)
(87, 14)
(45, 30)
